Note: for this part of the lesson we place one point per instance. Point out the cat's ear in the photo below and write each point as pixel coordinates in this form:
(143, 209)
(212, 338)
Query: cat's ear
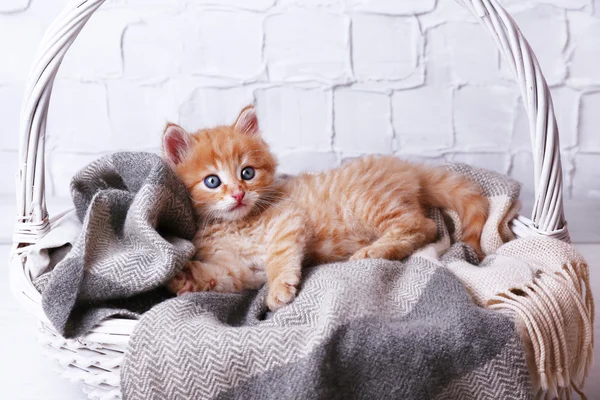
(176, 143)
(247, 122)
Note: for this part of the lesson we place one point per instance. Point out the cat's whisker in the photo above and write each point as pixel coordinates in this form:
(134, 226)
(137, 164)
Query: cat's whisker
(275, 196)
(268, 203)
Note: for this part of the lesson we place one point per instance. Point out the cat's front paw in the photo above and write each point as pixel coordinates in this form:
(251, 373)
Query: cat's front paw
(281, 292)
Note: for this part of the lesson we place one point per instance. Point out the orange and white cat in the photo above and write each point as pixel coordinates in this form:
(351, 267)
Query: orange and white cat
(256, 228)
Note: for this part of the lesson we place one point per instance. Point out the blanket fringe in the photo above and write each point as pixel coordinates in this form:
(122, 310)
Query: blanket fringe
(550, 307)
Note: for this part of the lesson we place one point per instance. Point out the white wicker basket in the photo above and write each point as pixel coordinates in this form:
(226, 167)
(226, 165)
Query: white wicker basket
(95, 359)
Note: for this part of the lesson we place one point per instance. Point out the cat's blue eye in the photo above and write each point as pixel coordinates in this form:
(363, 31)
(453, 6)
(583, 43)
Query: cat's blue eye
(212, 182)
(248, 173)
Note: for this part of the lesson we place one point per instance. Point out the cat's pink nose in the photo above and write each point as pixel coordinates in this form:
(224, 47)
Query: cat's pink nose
(239, 196)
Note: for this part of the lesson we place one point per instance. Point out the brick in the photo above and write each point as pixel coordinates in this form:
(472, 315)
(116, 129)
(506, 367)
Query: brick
(499, 162)
(522, 171)
(208, 107)
(294, 117)
(587, 176)
(393, 7)
(590, 123)
(545, 28)
(422, 158)
(521, 137)
(445, 12)
(566, 4)
(152, 50)
(10, 109)
(14, 6)
(568, 168)
(483, 117)
(62, 166)
(362, 122)
(97, 51)
(78, 117)
(437, 58)
(142, 5)
(174, 69)
(423, 118)
(213, 48)
(258, 5)
(9, 165)
(306, 161)
(46, 10)
(295, 53)
(305, 3)
(138, 114)
(583, 67)
(462, 53)
(514, 6)
(384, 47)
(566, 107)
(18, 55)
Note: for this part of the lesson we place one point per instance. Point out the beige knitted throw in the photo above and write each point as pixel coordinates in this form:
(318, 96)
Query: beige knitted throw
(543, 281)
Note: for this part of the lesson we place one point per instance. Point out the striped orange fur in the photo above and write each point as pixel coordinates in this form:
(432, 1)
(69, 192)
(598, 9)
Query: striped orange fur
(266, 229)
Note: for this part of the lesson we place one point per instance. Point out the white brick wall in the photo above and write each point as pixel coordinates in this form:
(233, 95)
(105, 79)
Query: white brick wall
(332, 79)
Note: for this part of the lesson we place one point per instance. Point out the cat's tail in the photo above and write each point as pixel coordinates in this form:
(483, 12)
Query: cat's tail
(447, 189)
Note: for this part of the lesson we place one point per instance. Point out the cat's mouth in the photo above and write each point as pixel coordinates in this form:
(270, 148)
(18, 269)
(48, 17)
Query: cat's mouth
(236, 211)
(237, 206)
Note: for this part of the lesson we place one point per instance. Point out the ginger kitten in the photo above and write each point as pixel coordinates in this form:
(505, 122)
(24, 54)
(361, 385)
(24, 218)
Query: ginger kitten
(255, 228)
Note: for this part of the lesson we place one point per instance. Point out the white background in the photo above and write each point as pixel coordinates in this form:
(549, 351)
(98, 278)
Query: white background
(332, 79)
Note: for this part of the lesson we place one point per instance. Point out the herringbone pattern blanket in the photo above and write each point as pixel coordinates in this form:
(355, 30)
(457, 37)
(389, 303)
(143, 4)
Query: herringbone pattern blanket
(435, 326)
(362, 330)
(137, 230)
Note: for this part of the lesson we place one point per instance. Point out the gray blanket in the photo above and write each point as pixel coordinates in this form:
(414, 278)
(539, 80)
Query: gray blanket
(367, 330)
(372, 329)
(138, 224)
(362, 330)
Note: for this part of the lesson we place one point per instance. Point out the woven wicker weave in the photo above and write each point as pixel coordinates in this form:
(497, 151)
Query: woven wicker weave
(95, 359)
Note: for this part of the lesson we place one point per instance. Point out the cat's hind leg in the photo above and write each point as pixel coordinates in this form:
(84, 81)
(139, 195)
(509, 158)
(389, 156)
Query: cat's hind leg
(185, 281)
(197, 276)
(400, 237)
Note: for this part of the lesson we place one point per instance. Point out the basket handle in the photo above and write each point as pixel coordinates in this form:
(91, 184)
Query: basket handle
(32, 215)
(548, 213)
(547, 217)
